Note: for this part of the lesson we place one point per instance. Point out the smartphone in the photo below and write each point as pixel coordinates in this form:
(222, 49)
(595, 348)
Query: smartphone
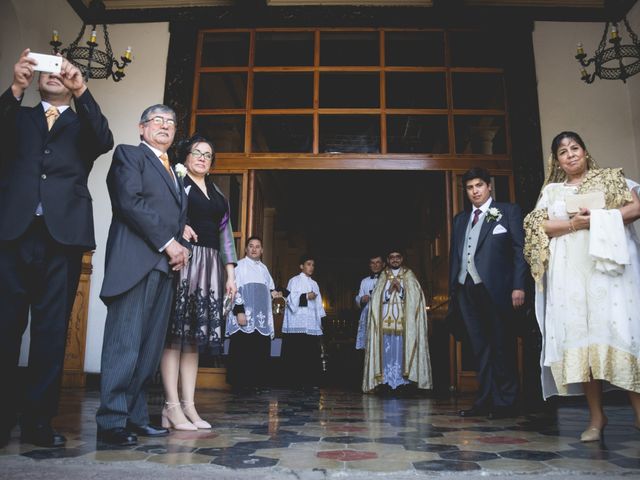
(46, 63)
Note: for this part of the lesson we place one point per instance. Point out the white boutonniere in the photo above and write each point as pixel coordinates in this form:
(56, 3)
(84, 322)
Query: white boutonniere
(181, 170)
(494, 215)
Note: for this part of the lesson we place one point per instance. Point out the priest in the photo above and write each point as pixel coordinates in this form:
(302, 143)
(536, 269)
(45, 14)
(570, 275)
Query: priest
(397, 349)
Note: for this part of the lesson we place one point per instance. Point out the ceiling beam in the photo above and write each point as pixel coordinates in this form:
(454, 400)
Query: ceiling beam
(256, 13)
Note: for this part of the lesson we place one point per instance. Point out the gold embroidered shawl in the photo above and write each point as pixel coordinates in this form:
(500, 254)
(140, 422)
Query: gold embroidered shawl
(611, 181)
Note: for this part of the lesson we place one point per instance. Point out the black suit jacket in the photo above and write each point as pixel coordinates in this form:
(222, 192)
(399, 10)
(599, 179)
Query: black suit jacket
(148, 211)
(52, 167)
(499, 259)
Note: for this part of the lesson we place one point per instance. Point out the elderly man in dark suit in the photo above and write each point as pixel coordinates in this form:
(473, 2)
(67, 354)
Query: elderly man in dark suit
(46, 223)
(487, 280)
(143, 249)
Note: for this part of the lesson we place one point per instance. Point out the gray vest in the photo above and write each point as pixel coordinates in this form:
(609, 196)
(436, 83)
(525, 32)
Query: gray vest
(467, 263)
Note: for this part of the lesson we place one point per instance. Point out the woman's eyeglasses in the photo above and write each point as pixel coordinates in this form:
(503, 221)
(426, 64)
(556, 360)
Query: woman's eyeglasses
(197, 154)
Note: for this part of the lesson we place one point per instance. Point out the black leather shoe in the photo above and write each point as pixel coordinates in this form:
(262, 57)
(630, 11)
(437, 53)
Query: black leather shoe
(473, 412)
(502, 412)
(148, 430)
(118, 436)
(42, 436)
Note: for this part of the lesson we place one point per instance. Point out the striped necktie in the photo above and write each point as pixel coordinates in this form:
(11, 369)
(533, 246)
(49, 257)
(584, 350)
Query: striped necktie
(476, 215)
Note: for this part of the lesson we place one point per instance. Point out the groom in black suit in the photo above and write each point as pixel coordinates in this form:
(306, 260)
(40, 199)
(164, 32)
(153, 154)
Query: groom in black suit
(46, 223)
(143, 250)
(487, 280)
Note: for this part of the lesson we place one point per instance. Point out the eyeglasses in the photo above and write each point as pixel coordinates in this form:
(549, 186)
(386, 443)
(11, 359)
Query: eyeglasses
(170, 122)
(197, 154)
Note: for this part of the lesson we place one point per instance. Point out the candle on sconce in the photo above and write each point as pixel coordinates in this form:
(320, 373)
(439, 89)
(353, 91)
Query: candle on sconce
(55, 37)
(580, 49)
(614, 32)
(127, 53)
(583, 73)
(93, 37)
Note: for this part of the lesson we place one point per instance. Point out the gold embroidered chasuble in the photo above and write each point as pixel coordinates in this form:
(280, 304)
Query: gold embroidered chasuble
(403, 315)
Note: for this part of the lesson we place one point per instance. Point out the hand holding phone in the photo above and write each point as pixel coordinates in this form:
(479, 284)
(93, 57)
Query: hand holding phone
(22, 74)
(46, 63)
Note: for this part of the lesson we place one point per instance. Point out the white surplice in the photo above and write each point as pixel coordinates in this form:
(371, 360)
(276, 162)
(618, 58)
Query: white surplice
(301, 319)
(254, 292)
(366, 288)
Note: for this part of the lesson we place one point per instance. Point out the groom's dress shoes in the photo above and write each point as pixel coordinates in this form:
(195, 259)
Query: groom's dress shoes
(118, 436)
(148, 430)
(42, 436)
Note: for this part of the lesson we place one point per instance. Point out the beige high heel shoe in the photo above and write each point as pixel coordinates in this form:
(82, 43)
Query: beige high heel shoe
(168, 422)
(193, 416)
(593, 434)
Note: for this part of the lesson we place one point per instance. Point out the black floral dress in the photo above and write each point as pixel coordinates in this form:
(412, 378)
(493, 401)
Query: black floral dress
(196, 319)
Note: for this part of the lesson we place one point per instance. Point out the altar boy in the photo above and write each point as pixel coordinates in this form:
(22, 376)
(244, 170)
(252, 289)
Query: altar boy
(302, 327)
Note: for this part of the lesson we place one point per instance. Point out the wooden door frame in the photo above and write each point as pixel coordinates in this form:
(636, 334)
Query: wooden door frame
(215, 377)
(459, 380)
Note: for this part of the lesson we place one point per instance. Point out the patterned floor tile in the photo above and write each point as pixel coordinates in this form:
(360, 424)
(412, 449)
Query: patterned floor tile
(535, 455)
(585, 466)
(468, 455)
(244, 461)
(445, 466)
(179, 459)
(347, 455)
(335, 431)
(520, 466)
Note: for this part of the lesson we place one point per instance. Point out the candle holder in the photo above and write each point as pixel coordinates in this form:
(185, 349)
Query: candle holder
(617, 62)
(92, 62)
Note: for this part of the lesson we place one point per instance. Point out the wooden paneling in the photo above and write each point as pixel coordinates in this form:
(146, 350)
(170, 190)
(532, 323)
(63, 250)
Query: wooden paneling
(359, 162)
(316, 160)
(73, 370)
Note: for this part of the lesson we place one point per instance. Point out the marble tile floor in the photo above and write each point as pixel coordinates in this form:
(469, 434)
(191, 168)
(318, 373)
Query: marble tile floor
(332, 434)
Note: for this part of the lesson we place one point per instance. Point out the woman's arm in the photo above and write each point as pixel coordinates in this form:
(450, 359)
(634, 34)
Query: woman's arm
(631, 211)
(557, 228)
(230, 287)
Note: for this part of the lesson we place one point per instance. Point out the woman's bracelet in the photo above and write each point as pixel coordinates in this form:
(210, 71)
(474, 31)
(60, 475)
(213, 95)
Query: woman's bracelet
(572, 229)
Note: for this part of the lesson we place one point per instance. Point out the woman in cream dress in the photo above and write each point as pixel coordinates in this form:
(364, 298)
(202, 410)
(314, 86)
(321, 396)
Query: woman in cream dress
(587, 271)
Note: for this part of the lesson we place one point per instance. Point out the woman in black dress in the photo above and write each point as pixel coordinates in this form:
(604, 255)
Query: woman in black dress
(197, 315)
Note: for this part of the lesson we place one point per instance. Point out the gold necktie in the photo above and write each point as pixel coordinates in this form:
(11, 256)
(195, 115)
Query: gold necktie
(52, 115)
(165, 161)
